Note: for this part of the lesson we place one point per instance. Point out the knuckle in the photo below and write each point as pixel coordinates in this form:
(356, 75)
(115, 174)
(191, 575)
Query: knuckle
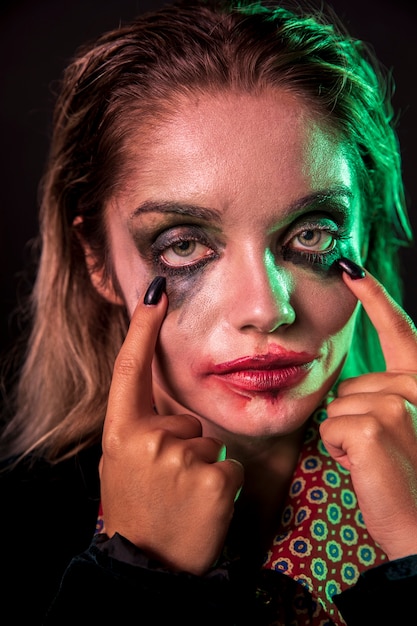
(179, 456)
(372, 430)
(395, 405)
(332, 411)
(216, 481)
(411, 386)
(112, 444)
(125, 365)
(407, 383)
(152, 442)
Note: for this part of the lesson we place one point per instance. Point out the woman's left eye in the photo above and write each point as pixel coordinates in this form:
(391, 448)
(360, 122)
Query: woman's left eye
(313, 240)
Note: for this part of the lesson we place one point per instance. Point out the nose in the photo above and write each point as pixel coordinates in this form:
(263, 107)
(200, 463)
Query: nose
(260, 299)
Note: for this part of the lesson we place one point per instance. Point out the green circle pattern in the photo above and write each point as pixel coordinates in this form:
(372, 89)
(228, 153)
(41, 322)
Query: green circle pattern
(323, 543)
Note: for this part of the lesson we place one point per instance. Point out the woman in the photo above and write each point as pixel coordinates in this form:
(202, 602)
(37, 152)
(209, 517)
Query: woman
(218, 177)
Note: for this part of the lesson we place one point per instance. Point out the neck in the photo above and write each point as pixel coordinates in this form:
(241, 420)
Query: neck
(268, 472)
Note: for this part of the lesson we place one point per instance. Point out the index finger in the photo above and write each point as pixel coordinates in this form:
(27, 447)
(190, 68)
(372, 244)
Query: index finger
(396, 330)
(131, 387)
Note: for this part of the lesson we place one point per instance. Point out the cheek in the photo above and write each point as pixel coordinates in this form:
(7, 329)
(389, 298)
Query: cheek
(194, 311)
(133, 275)
(183, 291)
(329, 309)
(191, 297)
(322, 303)
(133, 280)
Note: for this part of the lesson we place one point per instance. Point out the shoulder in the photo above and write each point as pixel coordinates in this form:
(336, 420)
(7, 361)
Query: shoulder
(384, 595)
(48, 516)
(37, 495)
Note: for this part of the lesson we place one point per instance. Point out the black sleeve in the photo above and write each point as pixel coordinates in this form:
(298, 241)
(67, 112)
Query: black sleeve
(114, 580)
(385, 595)
(48, 515)
(99, 587)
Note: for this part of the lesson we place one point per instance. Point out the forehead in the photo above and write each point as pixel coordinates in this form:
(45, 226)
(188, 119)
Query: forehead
(239, 150)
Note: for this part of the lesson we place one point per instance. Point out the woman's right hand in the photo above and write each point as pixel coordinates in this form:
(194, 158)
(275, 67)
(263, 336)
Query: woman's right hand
(163, 486)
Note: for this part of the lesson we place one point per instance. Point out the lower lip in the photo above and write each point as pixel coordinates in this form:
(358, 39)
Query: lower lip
(266, 381)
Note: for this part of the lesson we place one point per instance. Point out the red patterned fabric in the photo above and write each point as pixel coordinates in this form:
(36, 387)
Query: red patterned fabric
(323, 543)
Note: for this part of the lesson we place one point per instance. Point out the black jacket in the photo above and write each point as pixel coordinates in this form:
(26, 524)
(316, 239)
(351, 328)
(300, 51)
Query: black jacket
(48, 519)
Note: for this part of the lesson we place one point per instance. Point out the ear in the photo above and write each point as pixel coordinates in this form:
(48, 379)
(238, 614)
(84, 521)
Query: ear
(101, 282)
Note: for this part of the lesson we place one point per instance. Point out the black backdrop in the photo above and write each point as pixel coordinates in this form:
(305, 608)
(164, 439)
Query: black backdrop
(38, 37)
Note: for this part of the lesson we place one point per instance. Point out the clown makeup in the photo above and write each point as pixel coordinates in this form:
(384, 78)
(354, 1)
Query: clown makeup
(243, 203)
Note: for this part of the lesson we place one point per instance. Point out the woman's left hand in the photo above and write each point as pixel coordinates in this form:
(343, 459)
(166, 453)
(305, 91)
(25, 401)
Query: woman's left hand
(372, 426)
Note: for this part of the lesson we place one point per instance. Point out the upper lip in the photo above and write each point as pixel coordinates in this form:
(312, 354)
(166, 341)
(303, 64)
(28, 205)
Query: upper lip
(269, 361)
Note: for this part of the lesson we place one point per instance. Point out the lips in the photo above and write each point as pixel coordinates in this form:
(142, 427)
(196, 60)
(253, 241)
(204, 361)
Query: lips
(266, 372)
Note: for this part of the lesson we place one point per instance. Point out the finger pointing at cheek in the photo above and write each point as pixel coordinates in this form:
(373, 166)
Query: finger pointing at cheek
(163, 484)
(396, 331)
(131, 388)
(372, 426)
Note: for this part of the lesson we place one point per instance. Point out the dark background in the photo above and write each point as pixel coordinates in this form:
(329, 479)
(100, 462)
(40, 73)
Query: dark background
(37, 38)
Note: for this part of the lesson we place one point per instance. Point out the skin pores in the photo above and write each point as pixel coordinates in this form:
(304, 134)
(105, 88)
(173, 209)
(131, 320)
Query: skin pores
(243, 202)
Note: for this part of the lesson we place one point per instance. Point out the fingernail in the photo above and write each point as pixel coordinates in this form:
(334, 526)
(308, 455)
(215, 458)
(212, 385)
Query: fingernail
(154, 292)
(351, 268)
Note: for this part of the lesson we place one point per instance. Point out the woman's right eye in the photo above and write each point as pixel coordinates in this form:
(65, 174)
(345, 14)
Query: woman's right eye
(183, 247)
(185, 252)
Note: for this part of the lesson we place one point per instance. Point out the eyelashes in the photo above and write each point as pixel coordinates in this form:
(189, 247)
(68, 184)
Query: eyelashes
(187, 249)
(328, 233)
(183, 250)
(315, 259)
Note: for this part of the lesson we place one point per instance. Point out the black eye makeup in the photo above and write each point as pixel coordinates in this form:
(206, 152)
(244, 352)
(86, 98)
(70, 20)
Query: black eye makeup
(179, 241)
(183, 249)
(175, 244)
(314, 241)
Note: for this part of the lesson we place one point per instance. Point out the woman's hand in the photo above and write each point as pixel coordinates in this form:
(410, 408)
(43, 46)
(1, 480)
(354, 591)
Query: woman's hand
(163, 486)
(372, 426)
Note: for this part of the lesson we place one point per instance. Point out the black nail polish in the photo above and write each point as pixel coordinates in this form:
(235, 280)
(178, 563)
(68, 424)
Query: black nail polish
(154, 292)
(351, 268)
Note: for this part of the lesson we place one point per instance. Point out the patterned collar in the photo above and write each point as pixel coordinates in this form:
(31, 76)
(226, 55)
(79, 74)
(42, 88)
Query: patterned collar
(322, 542)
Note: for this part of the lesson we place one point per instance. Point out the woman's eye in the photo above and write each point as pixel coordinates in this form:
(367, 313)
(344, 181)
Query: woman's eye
(313, 240)
(185, 252)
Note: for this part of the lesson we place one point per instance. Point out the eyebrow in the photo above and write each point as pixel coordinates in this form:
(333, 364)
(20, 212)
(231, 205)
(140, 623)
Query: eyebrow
(314, 199)
(321, 197)
(175, 207)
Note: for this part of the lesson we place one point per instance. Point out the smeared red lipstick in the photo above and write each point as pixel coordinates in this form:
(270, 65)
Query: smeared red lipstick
(265, 372)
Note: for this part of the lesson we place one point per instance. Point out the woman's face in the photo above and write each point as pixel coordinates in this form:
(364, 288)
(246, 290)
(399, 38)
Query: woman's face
(244, 203)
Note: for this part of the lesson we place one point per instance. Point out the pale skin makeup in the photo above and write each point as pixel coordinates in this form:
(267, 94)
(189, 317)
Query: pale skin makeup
(243, 203)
